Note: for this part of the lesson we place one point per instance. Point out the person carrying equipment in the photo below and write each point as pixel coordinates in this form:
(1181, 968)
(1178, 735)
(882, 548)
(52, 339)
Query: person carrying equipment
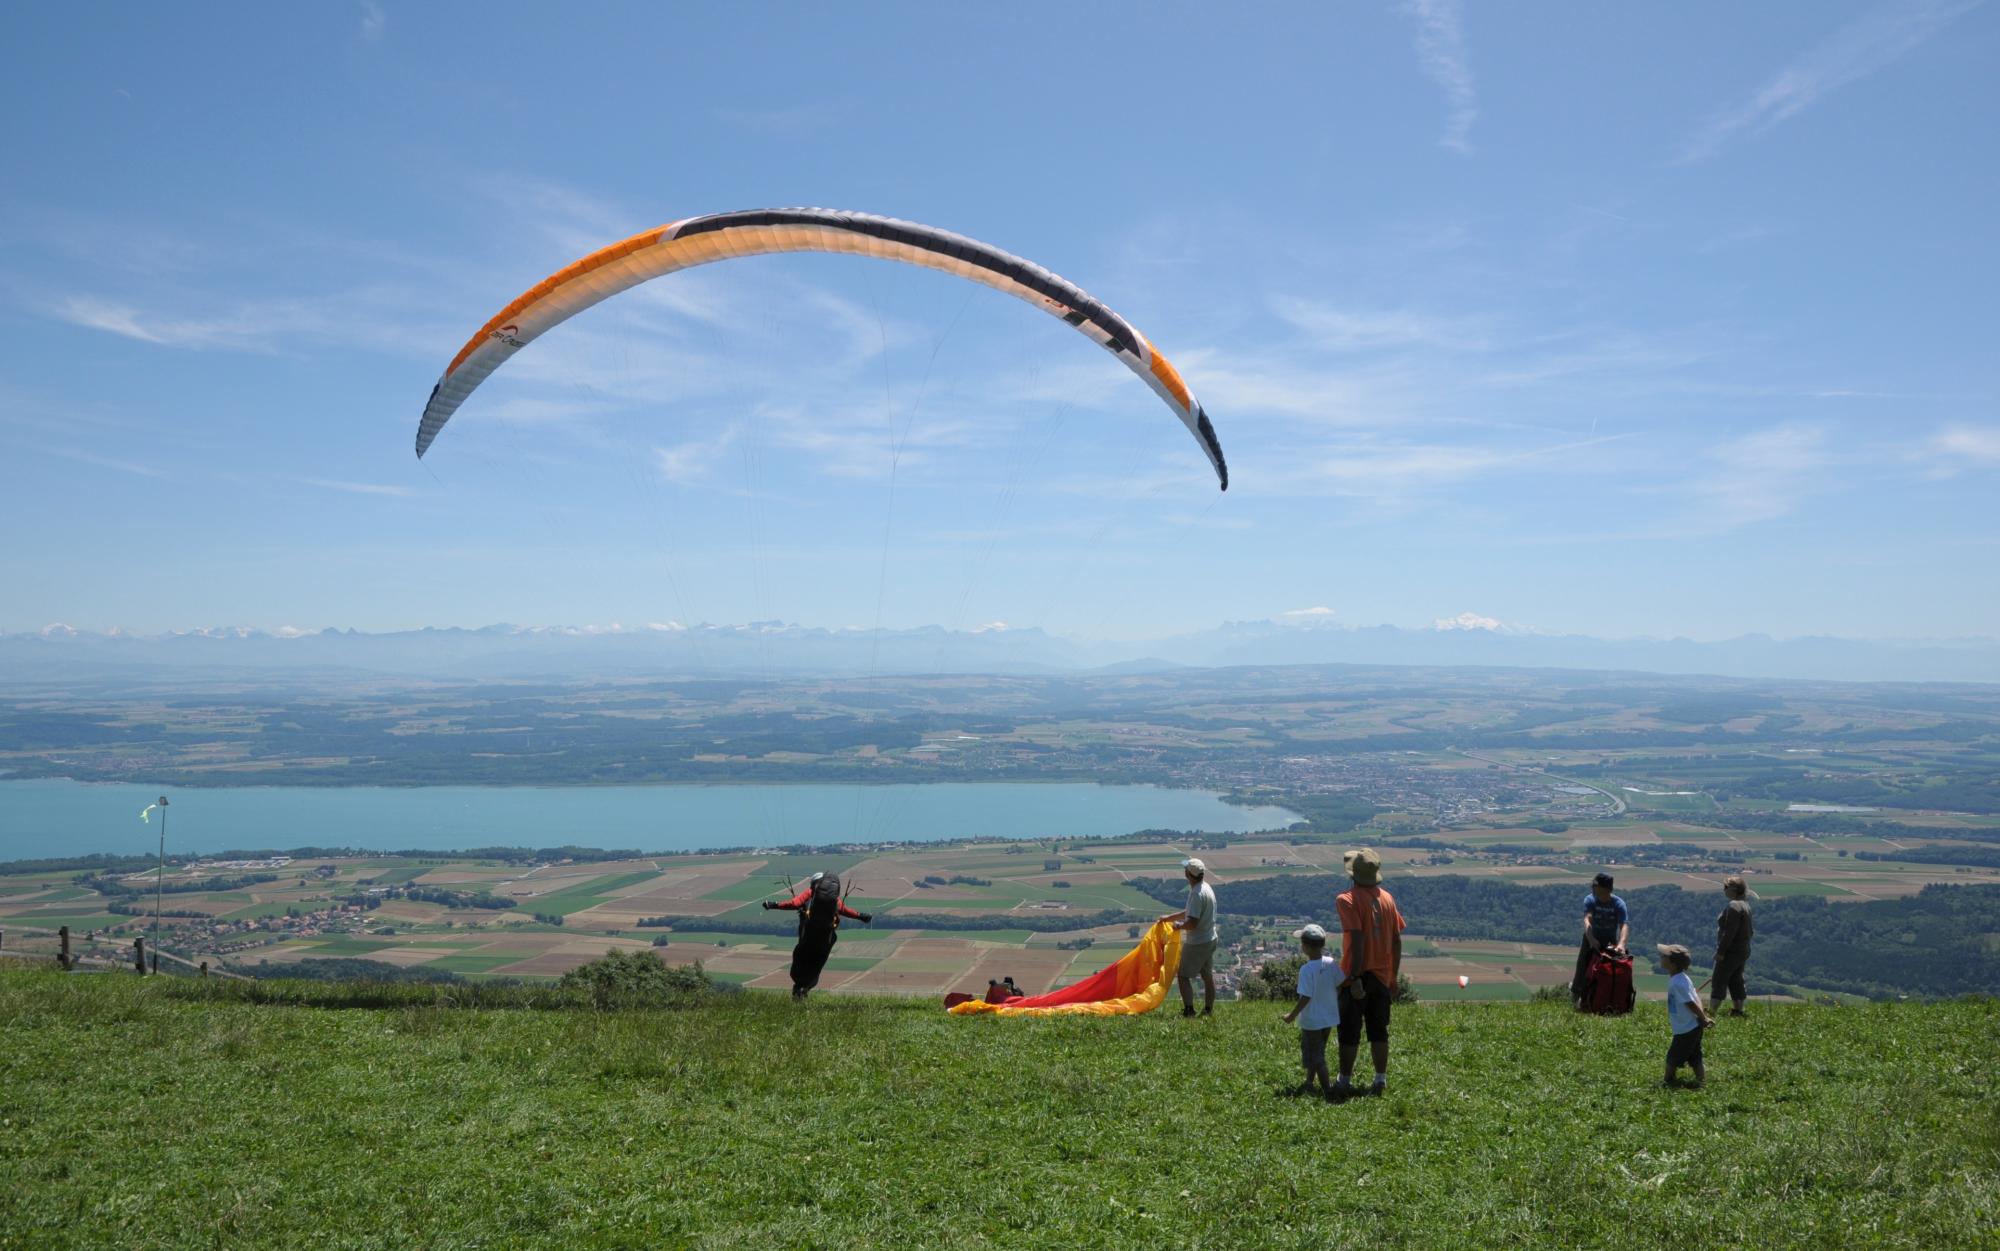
(1197, 921)
(1606, 926)
(820, 908)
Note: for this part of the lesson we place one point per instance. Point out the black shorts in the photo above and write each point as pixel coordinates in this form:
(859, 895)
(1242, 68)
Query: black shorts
(1372, 1011)
(1685, 1049)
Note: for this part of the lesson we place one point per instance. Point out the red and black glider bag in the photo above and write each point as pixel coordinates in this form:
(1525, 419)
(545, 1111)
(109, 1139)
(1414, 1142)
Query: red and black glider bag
(1609, 990)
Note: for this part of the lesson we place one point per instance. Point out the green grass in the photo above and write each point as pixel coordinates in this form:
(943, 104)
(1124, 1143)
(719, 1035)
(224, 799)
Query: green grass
(1478, 992)
(350, 946)
(584, 894)
(471, 963)
(1769, 889)
(851, 964)
(890, 1123)
(256, 911)
(396, 875)
(1012, 938)
(77, 921)
(707, 936)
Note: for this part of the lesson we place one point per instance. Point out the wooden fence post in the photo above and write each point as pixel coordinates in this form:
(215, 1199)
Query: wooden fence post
(139, 955)
(204, 968)
(62, 956)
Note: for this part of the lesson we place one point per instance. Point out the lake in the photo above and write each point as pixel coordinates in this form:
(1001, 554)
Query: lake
(47, 817)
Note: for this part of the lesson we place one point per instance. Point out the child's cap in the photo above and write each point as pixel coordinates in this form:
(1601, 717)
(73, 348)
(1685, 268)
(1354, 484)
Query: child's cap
(1312, 933)
(1674, 953)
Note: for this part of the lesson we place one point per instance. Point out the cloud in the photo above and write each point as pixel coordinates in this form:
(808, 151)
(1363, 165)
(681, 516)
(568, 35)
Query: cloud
(1346, 330)
(1376, 469)
(359, 488)
(1870, 43)
(128, 321)
(573, 221)
(786, 122)
(341, 321)
(860, 444)
(1759, 477)
(1441, 52)
(1957, 448)
(690, 462)
(1318, 612)
(373, 20)
(106, 462)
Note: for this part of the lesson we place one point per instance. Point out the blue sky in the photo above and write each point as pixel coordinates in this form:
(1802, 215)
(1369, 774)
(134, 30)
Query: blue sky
(1654, 321)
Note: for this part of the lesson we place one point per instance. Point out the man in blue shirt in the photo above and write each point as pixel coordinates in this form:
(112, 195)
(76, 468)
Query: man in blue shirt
(1606, 925)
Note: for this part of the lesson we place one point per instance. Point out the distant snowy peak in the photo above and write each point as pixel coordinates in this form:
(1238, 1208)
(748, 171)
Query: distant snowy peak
(1472, 621)
(1316, 617)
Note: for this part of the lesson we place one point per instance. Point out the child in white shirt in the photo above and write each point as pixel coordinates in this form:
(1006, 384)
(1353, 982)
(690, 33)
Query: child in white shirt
(1686, 1015)
(1317, 1011)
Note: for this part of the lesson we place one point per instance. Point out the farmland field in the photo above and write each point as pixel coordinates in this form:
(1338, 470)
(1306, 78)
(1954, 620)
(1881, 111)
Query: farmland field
(1854, 794)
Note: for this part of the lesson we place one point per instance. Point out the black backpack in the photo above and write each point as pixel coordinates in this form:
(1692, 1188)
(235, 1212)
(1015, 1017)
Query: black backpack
(822, 911)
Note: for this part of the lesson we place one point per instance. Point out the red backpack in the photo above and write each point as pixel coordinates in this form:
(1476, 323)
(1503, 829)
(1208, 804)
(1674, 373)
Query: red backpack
(1607, 985)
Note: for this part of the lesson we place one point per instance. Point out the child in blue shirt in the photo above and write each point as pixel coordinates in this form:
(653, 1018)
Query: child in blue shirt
(1685, 1014)
(1318, 1008)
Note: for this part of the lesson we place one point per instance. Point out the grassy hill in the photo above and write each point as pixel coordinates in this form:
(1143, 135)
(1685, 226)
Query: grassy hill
(138, 1113)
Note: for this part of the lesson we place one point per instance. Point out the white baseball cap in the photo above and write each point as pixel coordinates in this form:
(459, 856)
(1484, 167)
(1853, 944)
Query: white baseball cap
(1312, 930)
(1194, 866)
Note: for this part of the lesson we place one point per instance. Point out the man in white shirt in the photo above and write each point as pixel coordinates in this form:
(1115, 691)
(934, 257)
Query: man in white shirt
(1196, 922)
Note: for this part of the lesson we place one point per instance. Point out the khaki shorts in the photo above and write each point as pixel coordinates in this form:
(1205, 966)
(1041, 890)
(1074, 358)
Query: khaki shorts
(1198, 958)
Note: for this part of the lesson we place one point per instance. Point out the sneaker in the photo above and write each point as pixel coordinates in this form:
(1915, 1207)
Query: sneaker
(1738, 1012)
(1380, 1086)
(1187, 1012)
(1342, 1089)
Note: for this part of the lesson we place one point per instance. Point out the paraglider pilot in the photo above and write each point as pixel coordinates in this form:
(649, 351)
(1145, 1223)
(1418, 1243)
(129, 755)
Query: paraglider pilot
(820, 908)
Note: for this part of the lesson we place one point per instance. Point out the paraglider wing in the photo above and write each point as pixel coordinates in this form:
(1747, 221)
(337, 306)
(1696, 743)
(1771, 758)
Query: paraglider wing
(1138, 983)
(723, 236)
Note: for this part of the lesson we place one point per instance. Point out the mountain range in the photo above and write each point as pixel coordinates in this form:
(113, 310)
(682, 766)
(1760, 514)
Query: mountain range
(773, 648)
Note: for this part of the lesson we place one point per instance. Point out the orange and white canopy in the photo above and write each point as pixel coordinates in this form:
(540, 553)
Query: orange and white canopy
(723, 236)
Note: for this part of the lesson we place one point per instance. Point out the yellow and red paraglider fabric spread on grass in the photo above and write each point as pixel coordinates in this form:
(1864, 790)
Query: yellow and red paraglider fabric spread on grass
(1136, 984)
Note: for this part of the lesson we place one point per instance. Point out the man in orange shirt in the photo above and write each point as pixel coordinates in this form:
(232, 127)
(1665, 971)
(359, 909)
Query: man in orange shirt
(1371, 958)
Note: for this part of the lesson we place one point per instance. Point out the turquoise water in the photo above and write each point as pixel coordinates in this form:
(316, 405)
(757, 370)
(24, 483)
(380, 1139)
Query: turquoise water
(41, 818)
